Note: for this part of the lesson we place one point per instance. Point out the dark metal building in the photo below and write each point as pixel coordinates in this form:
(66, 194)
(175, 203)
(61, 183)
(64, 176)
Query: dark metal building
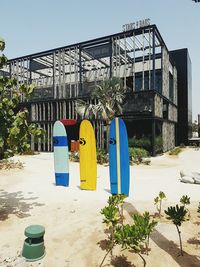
(63, 75)
(184, 78)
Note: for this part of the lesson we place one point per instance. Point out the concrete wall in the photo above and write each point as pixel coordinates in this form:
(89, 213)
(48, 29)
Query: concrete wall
(172, 113)
(158, 104)
(175, 85)
(168, 135)
(165, 72)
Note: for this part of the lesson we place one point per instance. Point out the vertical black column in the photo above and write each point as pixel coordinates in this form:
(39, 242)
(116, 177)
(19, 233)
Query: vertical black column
(110, 58)
(153, 133)
(54, 71)
(10, 75)
(30, 71)
(154, 60)
(80, 71)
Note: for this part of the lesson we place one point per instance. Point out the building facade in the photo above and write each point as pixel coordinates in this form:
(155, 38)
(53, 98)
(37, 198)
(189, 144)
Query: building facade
(138, 56)
(184, 76)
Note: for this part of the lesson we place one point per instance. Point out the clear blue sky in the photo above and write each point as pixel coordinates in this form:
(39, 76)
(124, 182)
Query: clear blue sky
(30, 26)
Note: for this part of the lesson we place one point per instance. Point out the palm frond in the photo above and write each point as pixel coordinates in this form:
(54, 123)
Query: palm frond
(81, 107)
(110, 95)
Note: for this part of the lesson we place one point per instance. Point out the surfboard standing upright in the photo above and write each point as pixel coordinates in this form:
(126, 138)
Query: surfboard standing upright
(88, 161)
(61, 154)
(119, 158)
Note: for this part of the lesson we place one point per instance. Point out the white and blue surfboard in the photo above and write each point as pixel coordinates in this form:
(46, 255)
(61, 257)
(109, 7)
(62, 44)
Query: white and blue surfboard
(119, 158)
(61, 154)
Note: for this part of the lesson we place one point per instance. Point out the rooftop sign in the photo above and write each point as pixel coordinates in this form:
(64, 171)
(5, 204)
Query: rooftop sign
(136, 25)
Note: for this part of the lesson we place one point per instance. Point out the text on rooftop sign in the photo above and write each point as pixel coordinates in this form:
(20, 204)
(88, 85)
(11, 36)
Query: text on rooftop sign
(136, 25)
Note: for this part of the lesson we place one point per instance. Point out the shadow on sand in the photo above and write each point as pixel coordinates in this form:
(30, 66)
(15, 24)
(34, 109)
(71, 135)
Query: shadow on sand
(108, 191)
(168, 246)
(15, 203)
(121, 261)
(116, 261)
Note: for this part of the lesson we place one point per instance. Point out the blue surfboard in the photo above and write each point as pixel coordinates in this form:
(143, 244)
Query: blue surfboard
(61, 154)
(119, 158)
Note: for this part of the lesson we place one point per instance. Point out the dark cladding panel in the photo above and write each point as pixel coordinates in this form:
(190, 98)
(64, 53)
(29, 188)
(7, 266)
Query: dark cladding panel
(183, 65)
(37, 66)
(99, 51)
(189, 84)
(42, 93)
(139, 103)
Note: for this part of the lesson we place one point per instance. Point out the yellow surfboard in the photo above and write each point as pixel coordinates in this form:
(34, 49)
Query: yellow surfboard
(88, 158)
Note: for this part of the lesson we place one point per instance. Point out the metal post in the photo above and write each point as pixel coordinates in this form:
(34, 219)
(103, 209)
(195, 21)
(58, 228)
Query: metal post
(143, 61)
(133, 64)
(59, 76)
(125, 65)
(154, 60)
(111, 60)
(80, 70)
(149, 59)
(54, 75)
(153, 132)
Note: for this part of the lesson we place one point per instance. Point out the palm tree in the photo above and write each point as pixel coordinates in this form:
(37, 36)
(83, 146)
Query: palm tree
(110, 95)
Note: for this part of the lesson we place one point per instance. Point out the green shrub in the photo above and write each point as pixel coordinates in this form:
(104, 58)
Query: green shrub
(158, 144)
(158, 202)
(112, 217)
(15, 129)
(175, 151)
(102, 156)
(185, 200)
(143, 142)
(30, 152)
(182, 145)
(198, 209)
(135, 237)
(6, 164)
(177, 215)
(137, 155)
(74, 156)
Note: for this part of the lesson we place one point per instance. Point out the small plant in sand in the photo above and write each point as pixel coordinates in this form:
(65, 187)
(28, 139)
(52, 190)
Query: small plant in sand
(112, 218)
(74, 156)
(198, 209)
(145, 226)
(185, 200)
(102, 156)
(175, 151)
(177, 216)
(118, 201)
(10, 164)
(158, 202)
(136, 236)
(139, 155)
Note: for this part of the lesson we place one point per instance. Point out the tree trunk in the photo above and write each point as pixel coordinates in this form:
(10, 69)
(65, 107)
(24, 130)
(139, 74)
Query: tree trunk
(144, 261)
(105, 257)
(179, 234)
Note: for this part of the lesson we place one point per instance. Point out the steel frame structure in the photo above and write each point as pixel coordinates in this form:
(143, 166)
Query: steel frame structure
(65, 74)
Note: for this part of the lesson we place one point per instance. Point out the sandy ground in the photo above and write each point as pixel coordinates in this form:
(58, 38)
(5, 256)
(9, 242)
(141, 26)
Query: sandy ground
(72, 218)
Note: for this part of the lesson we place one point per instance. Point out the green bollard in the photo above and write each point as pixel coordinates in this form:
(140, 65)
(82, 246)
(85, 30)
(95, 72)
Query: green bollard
(33, 248)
